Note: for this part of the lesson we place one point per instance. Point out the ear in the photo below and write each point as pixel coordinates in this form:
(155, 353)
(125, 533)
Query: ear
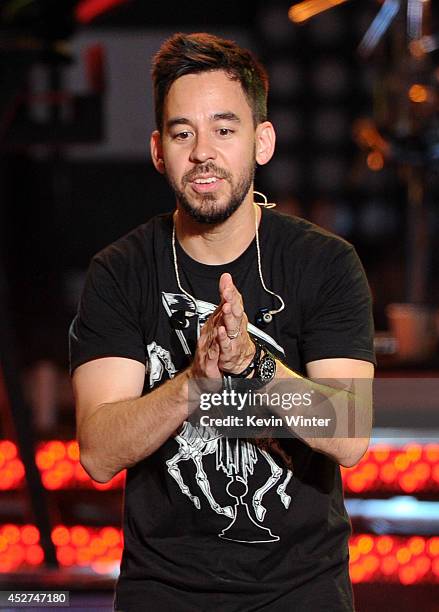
(265, 142)
(157, 152)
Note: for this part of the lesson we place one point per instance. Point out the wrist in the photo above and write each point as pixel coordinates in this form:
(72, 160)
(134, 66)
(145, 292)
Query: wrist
(248, 358)
(247, 365)
(262, 368)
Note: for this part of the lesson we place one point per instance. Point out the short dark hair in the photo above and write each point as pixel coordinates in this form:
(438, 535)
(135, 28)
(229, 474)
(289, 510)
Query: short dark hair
(194, 53)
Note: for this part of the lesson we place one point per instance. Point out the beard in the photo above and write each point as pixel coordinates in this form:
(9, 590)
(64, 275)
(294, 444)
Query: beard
(207, 209)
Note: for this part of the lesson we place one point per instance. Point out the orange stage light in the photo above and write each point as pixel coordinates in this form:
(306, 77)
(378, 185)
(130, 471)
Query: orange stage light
(365, 544)
(384, 545)
(11, 533)
(435, 567)
(111, 536)
(375, 161)
(66, 555)
(8, 450)
(34, 555)
(30, 535)
(407, 575)
(403, 555)
(298, 13)
(79, 536)
(3, 543)
(433, 546)
(416, 545)
(431, 452)
(73, 450)
(57, 449)
(60, 536)
(418, 93)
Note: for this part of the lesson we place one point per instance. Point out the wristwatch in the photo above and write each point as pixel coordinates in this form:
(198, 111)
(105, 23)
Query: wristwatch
(263, 366)
(265, 370)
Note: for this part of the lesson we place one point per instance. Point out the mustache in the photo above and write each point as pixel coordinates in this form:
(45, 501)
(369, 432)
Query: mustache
(205, 169)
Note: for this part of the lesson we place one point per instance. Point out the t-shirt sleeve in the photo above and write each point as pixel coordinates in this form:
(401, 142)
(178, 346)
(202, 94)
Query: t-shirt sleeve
(337, 317)
(107, 323)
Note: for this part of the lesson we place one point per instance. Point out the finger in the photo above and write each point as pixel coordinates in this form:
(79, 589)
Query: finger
(227, 288)
(210, 321)
(213, 352)
(224, 342)
(212, 371)
(233, 302)
(211, 361)
(217, 316)
(216, 312)
(214, 320)
(233, 299)
(238, 306)
(229, 294)
(233, 320)
(205, 341)
(206, 359)
(227, 350)
(225, 281)
(234, 309)
(203, 338)
(208, 329)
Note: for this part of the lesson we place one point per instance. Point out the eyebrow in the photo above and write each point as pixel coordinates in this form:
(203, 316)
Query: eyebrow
(177, 121)
(226, 116)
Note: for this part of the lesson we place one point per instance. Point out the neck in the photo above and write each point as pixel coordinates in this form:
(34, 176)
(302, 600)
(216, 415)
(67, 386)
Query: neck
(220, 243)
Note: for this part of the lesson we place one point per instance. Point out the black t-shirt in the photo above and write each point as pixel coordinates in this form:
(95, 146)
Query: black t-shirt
(196, 536)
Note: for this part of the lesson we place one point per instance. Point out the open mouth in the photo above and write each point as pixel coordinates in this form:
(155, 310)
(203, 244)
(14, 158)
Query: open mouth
(204, 181)
(203, 184)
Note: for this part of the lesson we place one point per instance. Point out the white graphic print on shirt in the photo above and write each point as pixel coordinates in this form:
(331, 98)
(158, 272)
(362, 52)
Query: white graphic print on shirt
(235, 457)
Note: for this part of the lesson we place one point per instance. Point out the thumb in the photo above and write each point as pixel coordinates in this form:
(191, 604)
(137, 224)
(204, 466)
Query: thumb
(226, 281)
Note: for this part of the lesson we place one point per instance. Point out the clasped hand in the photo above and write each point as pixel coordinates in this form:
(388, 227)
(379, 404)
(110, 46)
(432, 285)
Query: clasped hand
(224, 345)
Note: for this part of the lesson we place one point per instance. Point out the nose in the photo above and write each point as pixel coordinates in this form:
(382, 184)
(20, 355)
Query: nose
(203, 149)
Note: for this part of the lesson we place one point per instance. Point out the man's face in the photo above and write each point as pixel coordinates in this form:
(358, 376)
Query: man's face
(208, 145)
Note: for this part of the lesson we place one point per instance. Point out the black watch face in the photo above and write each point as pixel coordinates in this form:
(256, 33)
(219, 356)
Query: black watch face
(266, 369)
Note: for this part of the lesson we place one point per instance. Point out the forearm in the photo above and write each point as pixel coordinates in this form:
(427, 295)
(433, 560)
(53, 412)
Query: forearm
(348, 403)
(345, 451)
(120, 434)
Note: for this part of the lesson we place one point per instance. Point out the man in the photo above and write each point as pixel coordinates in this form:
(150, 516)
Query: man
(211, 522)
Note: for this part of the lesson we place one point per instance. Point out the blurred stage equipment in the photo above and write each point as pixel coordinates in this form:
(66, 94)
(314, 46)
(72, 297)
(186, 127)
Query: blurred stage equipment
(20, 422)
(382, 21)
(34, 33)
(87, 10)
(404, 129)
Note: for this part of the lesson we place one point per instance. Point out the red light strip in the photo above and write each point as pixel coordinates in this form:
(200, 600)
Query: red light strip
(373, 558)
(99, 550)
(394, 559)
(87, 10)
(411, 469)
(58, 462)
